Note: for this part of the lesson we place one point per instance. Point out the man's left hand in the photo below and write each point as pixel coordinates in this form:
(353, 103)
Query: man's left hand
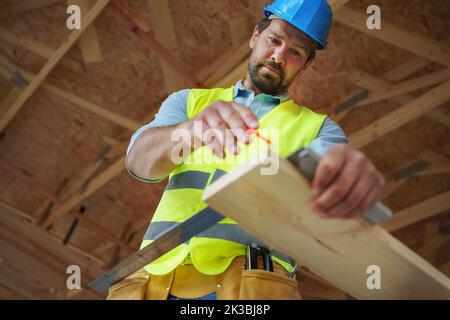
(346, 184)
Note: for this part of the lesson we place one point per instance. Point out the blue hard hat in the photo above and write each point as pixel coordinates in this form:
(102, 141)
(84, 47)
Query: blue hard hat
(313, 17)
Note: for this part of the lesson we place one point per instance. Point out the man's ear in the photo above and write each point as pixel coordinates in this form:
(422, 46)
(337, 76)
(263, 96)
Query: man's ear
(255, 35)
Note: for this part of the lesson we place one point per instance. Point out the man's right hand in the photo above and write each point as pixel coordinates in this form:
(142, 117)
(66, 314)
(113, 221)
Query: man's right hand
(222, 124)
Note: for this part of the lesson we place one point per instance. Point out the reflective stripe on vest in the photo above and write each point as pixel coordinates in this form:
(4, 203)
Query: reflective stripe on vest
(212, 251)
(192, 179)
(224, 231)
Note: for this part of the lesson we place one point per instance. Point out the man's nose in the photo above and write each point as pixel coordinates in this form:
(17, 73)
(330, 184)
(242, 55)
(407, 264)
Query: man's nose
(278, 55)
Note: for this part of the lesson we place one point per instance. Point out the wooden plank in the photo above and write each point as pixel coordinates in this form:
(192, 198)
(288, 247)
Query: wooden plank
(164, 33)
(51, 63)
(331, 248)
(427, 48)
(13, 219)
(419, 212)
(89, 45)
(19, 282)
(24, 6)
(75, 99)
(39, 264)
(39, 49)
(52, 280)
(402, 115)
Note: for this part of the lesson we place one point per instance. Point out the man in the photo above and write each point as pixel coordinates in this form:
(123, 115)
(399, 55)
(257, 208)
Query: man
(345, 185)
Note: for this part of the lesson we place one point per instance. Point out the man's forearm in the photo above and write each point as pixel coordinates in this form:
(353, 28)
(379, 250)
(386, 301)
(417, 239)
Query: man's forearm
(151, 155)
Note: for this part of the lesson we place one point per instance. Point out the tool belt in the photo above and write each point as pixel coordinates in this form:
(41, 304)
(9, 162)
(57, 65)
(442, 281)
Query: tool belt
(241, 281)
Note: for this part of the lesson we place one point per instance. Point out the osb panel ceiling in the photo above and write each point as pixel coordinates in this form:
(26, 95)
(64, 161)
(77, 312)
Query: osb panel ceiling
(51, 140)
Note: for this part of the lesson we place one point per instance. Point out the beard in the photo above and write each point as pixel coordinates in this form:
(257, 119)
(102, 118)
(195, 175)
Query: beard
(267, 81)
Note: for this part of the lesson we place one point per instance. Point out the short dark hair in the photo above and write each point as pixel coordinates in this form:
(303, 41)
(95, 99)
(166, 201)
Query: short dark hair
(263, 24)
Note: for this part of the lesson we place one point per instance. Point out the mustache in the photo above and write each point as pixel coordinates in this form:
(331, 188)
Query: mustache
(274, 66)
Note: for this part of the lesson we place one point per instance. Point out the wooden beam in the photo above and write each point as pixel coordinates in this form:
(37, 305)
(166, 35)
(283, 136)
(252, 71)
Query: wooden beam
(51, 63)
(427, 48)
(6, 102)
(137, 17)
(24, 6)
(8, 294)
(344, 106)
(67, 205)
(430, 232)
(89, 45)
(30, 182)
(164, 33)
(150, 42)
(331, 248)
(237, 74)
(419, 212)
(75, 99)
(21, 223)
(39, 49)
(428, 162)
(218, 62)
(393, 90)
(402, 115)
(38, 264)
(441, 115)
(337, 4)
(371, 82)
(236, 62)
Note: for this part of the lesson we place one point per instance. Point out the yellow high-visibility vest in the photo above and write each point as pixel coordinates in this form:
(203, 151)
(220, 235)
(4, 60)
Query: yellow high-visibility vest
(289, 125)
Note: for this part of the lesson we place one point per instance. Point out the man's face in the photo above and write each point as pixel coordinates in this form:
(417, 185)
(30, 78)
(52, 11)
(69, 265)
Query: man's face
(279, 54)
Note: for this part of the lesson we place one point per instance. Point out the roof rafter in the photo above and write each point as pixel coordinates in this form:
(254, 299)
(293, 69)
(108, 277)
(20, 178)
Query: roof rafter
(427, 48)
(51, 63)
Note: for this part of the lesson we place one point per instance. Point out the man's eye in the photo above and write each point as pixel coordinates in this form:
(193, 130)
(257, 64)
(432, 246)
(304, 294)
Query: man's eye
(273, 40)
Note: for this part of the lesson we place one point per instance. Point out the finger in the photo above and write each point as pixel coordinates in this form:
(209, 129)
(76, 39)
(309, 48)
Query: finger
(341, 186)
(234, 121)
(353, 200)
(367, 203)
(210, 139)
(246, 114)
(327, 169)
(216, 125)
(223, 134)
